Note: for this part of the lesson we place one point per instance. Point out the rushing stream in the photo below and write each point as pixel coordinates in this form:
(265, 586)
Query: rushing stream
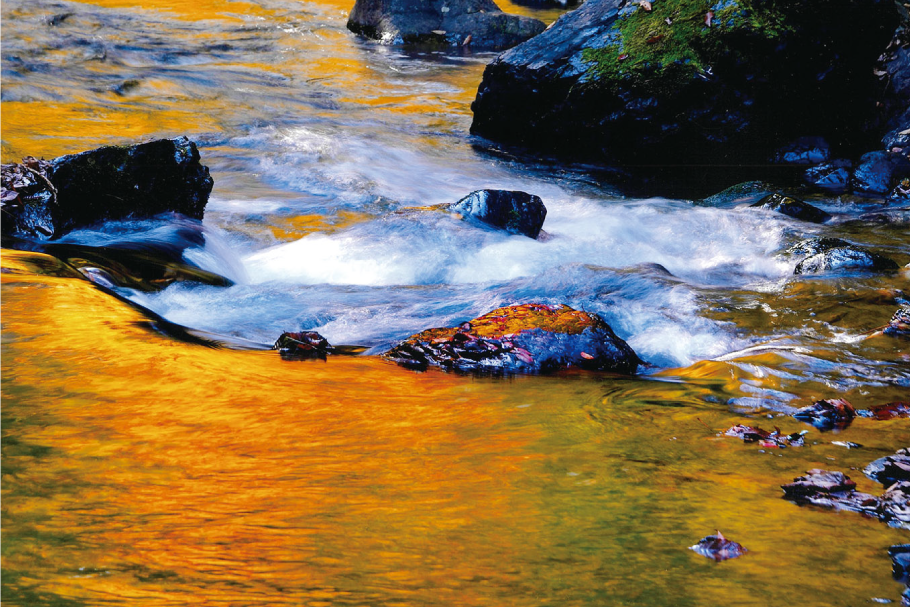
(142, 469)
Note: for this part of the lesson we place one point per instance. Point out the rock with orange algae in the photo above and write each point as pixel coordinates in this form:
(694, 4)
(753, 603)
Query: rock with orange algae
(528, 338)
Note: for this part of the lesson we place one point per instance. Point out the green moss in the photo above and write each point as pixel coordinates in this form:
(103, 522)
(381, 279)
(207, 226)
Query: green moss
(669, 45)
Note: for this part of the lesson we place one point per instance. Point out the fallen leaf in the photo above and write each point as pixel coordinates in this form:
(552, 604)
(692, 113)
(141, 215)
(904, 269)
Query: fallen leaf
(645, 5)
(709, 18)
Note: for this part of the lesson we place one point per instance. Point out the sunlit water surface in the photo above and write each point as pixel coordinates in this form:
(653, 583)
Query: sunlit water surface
(140, 469)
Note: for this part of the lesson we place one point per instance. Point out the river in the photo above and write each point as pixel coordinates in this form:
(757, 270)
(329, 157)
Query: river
(139, 468)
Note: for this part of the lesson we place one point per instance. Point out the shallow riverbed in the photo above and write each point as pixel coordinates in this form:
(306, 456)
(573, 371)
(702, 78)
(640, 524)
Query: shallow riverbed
(138, 468)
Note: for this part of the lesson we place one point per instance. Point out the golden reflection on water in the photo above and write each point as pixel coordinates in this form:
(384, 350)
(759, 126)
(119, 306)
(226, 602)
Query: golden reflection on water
(139, 468)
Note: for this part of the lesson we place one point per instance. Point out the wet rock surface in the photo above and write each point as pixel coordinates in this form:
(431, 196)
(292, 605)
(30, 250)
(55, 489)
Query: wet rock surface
(899, 325)
(834, 254)
(804, 151)
(109, 183)
(528, 338)
(656, 83)
(475, 23)
(27, 198)
(792, 207)
(900, 561)
(775, 439)
(831, 176)
(302, 345)
(512, 211)
(895, 505)
(885, 412)
(827, 414)
(830, 490)
(890, 469)
(880, 172)
(718, 547)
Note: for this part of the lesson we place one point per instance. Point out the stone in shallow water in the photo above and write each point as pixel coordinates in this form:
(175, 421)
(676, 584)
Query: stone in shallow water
(899, 325)
(827, 414)
(890, 469)
(895, 505)
(750, 434)
(885, 412)
(879, 172)
(528, 338)
(792, 208)
(830, 490)
(833, 254)
(303, 344)
(718, 547)
(512, 211)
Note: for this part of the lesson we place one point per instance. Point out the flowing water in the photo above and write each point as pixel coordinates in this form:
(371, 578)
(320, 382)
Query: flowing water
(139, 468)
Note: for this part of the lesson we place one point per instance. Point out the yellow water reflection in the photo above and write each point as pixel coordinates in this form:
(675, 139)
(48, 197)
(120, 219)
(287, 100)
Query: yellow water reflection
(139, 468)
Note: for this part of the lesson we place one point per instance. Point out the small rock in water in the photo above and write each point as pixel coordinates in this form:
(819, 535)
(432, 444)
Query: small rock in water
(792, 208)
(718, 547)
(804, 151)
(515, 212)
(830, 490)
(304, 344)
(751, 434)
(831, 254)
(901, 191)
(895, 505)
(890, 469)
(846, 444)
(900, 561)
(827, 414)
(899, 325)
(886, 412)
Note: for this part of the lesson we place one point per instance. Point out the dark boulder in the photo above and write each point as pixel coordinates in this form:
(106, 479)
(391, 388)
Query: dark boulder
(108, 183)
(515, 212)
(475, 23)
(901, 192)
(830, 490)
(742, 193)
(890, 469)
(880, 172)
(529, 338)
(679, 82)
(718, 547)
(27, 198)
(827, 414)
(832, 176)
(792, 208)
(833, 254)
(302, 345)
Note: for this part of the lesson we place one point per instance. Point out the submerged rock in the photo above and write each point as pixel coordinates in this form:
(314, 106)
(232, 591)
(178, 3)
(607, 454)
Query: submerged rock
(750, 434)
(792, 207)
(528, 338)
(112, 182)
(26, 199)
(515, 212)
(885, 412)
(718, 547)
(880, 172)
(684, 82)
(890, 469)
(830, 490)
(833, 254)
(475, 23)
(827, 414)
(301, 345)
